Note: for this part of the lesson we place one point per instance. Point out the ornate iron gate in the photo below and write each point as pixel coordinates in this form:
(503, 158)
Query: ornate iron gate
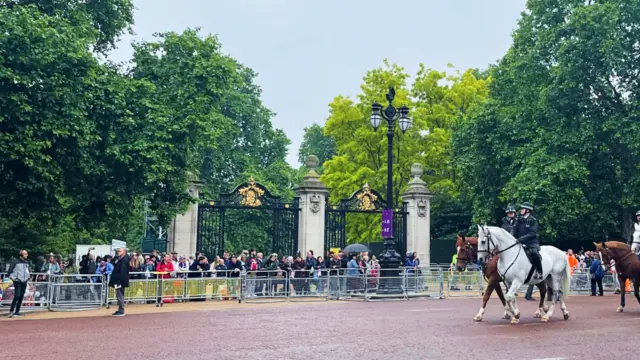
(365, 201)
(279, 221)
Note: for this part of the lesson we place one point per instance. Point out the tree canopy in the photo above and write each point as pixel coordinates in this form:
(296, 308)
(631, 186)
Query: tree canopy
(560, 127)
(436, 100)
(84, 143)
(315, 142)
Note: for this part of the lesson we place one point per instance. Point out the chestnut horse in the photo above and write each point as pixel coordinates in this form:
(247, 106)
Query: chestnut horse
(627, 266)
(468, 252)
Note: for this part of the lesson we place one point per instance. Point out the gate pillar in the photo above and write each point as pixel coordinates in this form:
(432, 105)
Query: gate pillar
(418, 200)
(313, 195)
(182, 234)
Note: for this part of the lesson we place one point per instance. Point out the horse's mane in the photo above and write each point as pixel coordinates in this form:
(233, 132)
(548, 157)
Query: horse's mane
(500, 229)
(617, 245)
(462, 240)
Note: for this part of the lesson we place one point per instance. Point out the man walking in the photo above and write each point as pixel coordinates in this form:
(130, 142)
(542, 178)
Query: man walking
(19, 275)
(120, 278)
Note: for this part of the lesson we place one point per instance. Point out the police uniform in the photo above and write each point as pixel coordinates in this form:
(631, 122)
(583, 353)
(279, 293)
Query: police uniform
(509, 223)
(636, 228)
(526, 231)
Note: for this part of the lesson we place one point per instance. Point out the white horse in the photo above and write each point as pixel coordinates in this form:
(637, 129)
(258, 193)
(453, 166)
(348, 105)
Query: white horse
(514, 267)
(635, 244)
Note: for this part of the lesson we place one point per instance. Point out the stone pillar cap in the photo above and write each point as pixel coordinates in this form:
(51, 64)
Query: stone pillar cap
(417, 186)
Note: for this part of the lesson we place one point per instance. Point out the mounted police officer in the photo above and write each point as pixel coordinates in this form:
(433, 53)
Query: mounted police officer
(509, 221)
(526, 231)
(636, 228)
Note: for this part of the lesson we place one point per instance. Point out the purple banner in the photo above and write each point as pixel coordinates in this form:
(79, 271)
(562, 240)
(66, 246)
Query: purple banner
(387, 223)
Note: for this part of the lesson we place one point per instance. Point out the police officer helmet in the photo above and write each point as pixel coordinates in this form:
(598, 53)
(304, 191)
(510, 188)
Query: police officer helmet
(510, 209)
(638, 213)
(527, 205)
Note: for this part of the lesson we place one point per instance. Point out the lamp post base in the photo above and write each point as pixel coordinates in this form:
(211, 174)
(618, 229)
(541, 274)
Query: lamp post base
(390, 278)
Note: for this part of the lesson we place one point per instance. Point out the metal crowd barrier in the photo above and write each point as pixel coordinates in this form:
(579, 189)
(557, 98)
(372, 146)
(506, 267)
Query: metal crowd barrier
(84, 292)
(160, 288)
(56, 292)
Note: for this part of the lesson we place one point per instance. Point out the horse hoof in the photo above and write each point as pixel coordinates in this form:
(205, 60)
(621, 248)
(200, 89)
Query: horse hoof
(507, 317)
(620, 309)
(544, 318)
(517, 316)
(477, 318)
(537, 315)
(515, 321)
(566, 316)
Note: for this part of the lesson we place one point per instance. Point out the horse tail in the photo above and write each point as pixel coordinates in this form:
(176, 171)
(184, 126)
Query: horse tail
(566, 279)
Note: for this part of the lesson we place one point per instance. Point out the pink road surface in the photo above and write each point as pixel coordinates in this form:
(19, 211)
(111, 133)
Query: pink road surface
(419, 329)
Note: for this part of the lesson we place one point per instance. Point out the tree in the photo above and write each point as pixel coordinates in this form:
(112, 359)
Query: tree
(206, 90)
(559, 128)
(110, 19)
(81, 145)
(436, 99)
(315, 142)
(40, 134)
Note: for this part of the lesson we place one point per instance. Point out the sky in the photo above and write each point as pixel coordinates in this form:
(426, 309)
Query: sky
(307, 52)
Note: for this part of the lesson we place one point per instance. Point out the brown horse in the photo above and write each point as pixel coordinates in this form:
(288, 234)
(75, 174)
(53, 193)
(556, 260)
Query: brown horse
(468, 252)
(627, 266)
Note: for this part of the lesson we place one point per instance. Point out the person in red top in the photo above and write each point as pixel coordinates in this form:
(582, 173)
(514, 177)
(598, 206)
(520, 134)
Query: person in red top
(165, 267)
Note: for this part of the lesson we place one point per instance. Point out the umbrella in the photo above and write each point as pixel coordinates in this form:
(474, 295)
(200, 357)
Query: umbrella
(355, 248)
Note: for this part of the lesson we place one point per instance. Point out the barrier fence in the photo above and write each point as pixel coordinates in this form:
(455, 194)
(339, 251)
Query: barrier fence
(82, 292)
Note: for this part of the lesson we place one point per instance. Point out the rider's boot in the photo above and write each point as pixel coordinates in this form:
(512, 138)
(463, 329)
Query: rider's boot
(538, 267)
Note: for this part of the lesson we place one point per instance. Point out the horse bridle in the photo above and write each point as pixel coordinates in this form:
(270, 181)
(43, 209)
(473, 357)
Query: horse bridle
(490, 253)
(467, 248)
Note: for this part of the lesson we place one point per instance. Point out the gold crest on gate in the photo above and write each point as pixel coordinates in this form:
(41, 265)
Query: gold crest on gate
(367, 199)
(251, 194)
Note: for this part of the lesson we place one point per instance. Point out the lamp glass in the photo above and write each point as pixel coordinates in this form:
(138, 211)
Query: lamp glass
(405, 123)
(376, 119)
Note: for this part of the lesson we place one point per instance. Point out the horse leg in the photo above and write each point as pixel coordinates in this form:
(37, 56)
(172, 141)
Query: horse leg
(511, 301)
(542, 287)
(485, 299)
(622, 279)
(500, 293)
(563, 306)
(553, 295)
(636, 290)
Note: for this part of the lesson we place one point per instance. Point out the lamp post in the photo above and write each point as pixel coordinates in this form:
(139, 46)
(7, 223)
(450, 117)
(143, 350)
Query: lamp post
(390, 260)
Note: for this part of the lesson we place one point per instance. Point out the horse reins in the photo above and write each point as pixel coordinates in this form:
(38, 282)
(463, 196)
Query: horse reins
(490, 253)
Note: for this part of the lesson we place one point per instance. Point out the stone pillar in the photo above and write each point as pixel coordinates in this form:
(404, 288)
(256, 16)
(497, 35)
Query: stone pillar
(182, 234)
(418, 199)
(313, 195)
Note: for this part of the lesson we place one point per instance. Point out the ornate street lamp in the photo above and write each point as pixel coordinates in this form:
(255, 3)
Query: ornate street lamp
(390, 260)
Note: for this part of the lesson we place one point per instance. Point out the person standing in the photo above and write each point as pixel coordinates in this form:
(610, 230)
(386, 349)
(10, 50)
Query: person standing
(19, 275)
(120, 278)
(596, 273)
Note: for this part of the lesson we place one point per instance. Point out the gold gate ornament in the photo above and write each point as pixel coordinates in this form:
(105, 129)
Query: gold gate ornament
(251, 194)
(367, 199)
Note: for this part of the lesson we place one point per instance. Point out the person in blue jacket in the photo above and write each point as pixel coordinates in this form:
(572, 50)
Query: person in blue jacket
(596, 273)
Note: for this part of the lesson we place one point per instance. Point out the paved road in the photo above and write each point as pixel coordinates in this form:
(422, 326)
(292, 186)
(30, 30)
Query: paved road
(420, 329)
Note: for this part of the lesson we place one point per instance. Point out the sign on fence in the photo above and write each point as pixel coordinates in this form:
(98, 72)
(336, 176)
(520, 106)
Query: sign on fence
(117, 244)
(387, 223)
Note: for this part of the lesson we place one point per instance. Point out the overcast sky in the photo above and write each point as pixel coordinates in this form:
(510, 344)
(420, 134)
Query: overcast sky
(306, 52)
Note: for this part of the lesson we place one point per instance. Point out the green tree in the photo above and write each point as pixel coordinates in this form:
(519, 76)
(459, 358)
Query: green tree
(559, 128)
(436, 100)
(81, 145)
(110, 18)
(315, 142)
(205, 90)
